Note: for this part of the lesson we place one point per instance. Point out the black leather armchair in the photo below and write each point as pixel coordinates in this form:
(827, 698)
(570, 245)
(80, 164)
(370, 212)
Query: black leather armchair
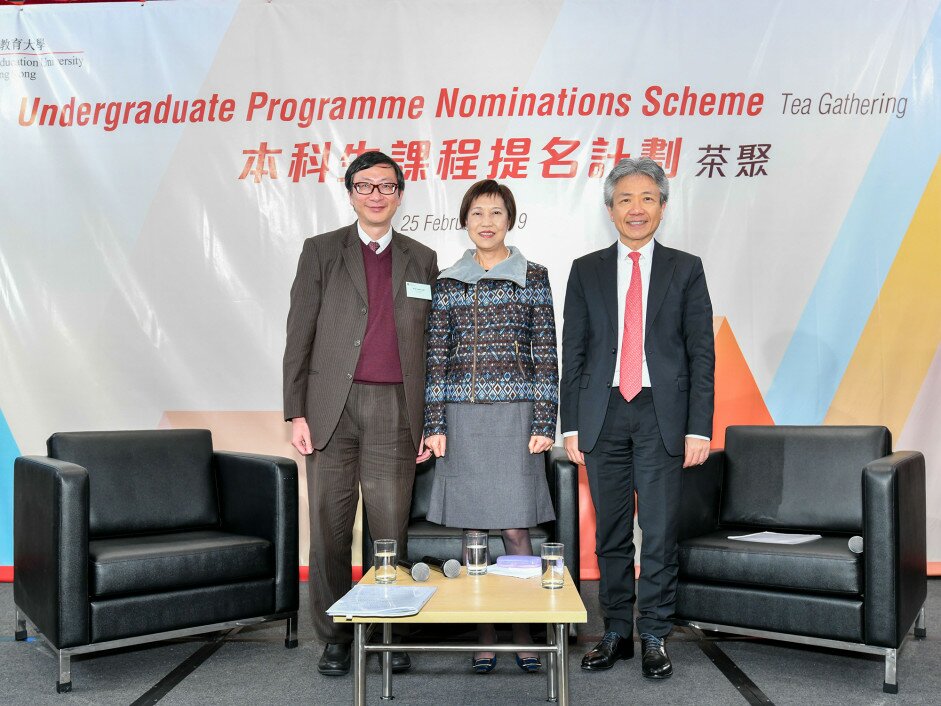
(838, 482)
(427, 538)
(127, 537)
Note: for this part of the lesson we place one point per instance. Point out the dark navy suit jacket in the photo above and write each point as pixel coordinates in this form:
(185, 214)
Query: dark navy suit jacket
(678, 342)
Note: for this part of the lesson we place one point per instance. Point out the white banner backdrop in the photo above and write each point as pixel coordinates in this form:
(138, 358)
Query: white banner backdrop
(165, 161)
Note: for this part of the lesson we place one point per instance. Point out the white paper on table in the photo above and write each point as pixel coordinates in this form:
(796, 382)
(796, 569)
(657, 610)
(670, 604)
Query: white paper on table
(530, 572)
(776, 538)
(382, 600)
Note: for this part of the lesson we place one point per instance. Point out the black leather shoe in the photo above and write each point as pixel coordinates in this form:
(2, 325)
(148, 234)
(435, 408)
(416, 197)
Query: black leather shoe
(335, 660)
(401, 662)
(611, 648)
(656, 662)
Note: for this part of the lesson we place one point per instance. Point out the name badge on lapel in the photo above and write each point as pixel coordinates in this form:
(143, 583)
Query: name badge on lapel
(417, 290)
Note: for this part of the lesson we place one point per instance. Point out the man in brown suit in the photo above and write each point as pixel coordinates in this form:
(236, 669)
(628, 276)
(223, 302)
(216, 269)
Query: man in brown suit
(354, 372)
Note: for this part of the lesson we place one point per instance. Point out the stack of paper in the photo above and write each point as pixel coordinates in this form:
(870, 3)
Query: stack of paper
(382, 601)
(776, 538)
(523, 572)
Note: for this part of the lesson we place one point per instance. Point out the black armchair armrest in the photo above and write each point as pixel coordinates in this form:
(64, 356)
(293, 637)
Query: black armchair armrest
(895, 545)
(258, 497)
(50, 547)
(700, 496)
(562, 476)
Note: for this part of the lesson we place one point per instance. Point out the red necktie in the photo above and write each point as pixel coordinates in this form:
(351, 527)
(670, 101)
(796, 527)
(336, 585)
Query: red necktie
(632, 343)
(374, 246)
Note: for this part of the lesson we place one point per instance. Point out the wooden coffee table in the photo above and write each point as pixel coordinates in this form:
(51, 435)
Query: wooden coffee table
(476, 599)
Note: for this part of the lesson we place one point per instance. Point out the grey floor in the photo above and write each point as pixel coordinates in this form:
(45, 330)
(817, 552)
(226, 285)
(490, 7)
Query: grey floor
(252, 667)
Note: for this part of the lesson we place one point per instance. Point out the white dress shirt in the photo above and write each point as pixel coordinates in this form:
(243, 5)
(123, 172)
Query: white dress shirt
(383, 241)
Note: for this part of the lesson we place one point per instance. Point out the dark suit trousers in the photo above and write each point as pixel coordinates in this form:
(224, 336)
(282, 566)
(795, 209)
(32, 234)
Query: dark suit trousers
(629, 456)
(371, 448)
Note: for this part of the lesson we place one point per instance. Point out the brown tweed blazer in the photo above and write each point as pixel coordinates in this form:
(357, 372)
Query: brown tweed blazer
(327, 320)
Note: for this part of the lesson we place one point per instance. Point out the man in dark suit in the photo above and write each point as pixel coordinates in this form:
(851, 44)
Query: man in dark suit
(638, 368)
(354, 375)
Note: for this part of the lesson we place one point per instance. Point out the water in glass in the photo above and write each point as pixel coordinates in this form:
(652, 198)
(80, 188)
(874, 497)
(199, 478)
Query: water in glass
(476, 559)
(385, 567)
(552, 571)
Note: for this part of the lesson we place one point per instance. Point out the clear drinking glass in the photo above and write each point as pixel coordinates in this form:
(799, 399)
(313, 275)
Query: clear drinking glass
(552, 565)
(476, 553)
(384, 559)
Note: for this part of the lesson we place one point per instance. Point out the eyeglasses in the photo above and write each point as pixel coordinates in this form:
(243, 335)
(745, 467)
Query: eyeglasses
(386, 188)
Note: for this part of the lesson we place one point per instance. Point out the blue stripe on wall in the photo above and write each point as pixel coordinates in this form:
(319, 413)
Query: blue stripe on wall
(8, 452)
(853, 274)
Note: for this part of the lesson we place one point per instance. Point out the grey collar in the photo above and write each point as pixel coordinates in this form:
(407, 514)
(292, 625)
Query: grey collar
(467, 269)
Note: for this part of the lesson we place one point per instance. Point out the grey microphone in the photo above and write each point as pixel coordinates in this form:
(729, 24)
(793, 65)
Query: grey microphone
(417, 569)
(855, 544)
(448, 567)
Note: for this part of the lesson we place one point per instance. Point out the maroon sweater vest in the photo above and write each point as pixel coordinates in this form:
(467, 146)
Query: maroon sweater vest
(379, 362)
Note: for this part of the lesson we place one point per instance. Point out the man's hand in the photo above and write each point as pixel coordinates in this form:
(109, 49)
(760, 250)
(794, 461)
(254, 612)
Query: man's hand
(697, 451)
(424, 453)
(571, 448)
(300, 436)
(538, 444)
(437, 443)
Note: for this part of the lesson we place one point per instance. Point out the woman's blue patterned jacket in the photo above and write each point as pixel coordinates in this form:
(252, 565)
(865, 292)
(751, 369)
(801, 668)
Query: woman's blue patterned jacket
(491, 338)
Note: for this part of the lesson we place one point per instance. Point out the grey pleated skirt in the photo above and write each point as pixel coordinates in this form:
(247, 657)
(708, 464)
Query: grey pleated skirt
(487, 479)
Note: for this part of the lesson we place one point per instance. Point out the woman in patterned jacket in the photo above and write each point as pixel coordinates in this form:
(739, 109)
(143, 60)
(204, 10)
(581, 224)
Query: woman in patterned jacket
(491, 390)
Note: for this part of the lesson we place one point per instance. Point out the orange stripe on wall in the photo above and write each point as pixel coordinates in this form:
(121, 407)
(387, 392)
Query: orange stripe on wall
(6, 572)
(304, 572)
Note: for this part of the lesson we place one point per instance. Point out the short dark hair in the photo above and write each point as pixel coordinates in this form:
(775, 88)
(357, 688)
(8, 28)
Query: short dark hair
(488, 187)
(371, 159)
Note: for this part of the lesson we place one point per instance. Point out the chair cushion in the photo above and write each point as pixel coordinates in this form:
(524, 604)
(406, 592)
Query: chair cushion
(143, 481)
(831, 617)
(825, 565)
(798, 477)
(128, 616)
(162, 562)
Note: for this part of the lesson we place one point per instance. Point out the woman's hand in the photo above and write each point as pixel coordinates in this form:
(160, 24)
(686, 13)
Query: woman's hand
(437, 444)
(424, 453)
(538, 444)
